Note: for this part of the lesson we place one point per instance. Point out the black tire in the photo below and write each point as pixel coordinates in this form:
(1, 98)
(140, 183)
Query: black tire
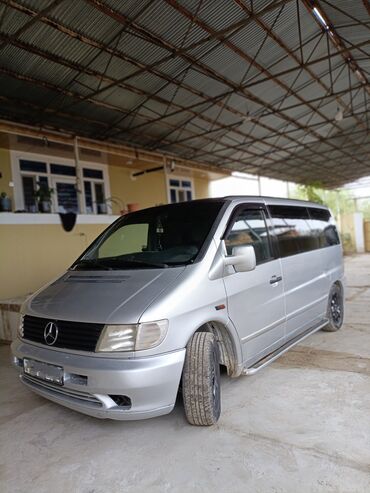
(201, 380)
(335, 309)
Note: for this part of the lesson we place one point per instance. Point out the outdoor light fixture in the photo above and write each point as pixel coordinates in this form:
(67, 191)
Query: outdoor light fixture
(245, 176)
(320, 17)
(339, 115)
(360, 76)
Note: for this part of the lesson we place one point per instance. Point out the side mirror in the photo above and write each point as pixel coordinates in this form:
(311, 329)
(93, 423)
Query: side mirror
(243, 258)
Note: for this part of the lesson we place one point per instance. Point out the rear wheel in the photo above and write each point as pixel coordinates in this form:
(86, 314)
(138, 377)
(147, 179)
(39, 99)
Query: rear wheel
(335, 309)
(201, 380)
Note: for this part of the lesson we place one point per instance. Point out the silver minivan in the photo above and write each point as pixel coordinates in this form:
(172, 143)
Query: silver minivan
(166, 296)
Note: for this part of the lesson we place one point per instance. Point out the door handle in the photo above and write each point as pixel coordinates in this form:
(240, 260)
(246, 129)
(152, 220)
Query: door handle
(275, 279)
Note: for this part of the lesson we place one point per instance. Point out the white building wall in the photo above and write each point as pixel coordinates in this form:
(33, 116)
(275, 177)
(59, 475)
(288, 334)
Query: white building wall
(358, 220)
(243, 184)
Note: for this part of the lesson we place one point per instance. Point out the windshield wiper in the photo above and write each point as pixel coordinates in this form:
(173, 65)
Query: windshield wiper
(116, 263)
(144, 262)
(92, 262)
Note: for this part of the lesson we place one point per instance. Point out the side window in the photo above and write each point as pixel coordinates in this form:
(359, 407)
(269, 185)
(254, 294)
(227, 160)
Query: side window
(323, 228)
(292, 230)
(249, 228)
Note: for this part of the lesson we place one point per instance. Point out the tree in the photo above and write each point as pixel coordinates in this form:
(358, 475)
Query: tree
(339, 201)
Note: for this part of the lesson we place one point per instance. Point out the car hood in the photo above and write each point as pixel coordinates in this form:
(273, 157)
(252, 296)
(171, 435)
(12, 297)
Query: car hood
(118, 297)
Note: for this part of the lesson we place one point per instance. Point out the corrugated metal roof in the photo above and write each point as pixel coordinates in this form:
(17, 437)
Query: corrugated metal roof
(200, 78)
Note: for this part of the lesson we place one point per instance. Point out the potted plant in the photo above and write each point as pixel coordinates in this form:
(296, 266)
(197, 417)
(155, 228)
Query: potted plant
(5, 202)
(43, 196)
(113, 201)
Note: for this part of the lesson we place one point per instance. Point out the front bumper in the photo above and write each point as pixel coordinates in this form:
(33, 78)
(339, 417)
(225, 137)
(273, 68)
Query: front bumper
(148, 386)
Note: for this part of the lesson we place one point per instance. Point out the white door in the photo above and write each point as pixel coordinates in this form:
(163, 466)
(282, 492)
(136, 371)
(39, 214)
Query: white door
(256, 298)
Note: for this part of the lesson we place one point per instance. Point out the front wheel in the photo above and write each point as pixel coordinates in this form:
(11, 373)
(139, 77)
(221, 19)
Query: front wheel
(201, 380)
(335, 309)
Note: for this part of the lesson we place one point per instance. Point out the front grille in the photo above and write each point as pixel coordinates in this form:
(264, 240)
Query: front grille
(80, 336)
(57, 391)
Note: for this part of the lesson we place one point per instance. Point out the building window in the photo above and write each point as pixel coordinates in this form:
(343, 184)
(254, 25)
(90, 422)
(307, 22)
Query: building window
(33, 166)
(93, 173)
(94, 191)
(35, 174)
(180, 190)
(61, 169)
(66, 197)
(101, 206)
(29, 187)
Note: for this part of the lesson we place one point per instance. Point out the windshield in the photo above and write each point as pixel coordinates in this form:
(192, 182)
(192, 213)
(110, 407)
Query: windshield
(153, 238)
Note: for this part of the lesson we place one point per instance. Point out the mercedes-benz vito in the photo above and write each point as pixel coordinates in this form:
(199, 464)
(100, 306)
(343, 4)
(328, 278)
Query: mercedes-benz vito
(166, 295)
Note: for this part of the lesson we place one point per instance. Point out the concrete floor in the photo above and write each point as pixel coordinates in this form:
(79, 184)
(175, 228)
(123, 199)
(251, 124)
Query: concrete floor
(301, 425)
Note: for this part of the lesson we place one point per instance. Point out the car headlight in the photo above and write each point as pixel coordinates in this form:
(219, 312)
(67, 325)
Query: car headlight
(133, 337)
(20, 327)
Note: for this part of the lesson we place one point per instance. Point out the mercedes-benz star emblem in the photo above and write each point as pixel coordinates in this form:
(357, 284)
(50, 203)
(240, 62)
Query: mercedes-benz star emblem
(50, 333)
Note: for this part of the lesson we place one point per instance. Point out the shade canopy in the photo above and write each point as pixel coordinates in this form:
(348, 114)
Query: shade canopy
(276, 88)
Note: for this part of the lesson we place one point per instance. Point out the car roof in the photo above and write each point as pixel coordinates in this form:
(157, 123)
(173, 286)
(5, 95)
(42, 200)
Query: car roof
(272, 201)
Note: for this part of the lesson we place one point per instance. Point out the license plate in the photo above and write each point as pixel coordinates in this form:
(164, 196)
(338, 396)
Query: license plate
(43, 371)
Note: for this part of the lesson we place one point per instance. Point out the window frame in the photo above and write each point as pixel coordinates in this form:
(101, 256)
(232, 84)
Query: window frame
(253, 206)
(17, 173)
(180, 178)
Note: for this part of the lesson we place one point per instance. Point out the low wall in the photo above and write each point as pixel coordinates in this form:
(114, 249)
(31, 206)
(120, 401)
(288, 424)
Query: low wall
(9, 319)
(35, 249)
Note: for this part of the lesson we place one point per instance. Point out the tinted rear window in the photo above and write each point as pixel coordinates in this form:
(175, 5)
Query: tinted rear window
(292, 229)
(302, 229)
(323, 228)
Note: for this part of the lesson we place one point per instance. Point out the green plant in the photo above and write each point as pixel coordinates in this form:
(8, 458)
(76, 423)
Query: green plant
(43, 193)
(312, 192)
(364, 207)
(339, 201)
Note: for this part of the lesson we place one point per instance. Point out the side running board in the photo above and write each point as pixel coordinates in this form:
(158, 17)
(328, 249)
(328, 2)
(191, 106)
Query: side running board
(266, 360)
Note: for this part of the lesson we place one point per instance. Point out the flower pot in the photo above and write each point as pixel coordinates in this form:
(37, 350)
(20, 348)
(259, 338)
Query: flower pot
(45, 206)
(102, 208)
(5, 204)
(133, 207)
